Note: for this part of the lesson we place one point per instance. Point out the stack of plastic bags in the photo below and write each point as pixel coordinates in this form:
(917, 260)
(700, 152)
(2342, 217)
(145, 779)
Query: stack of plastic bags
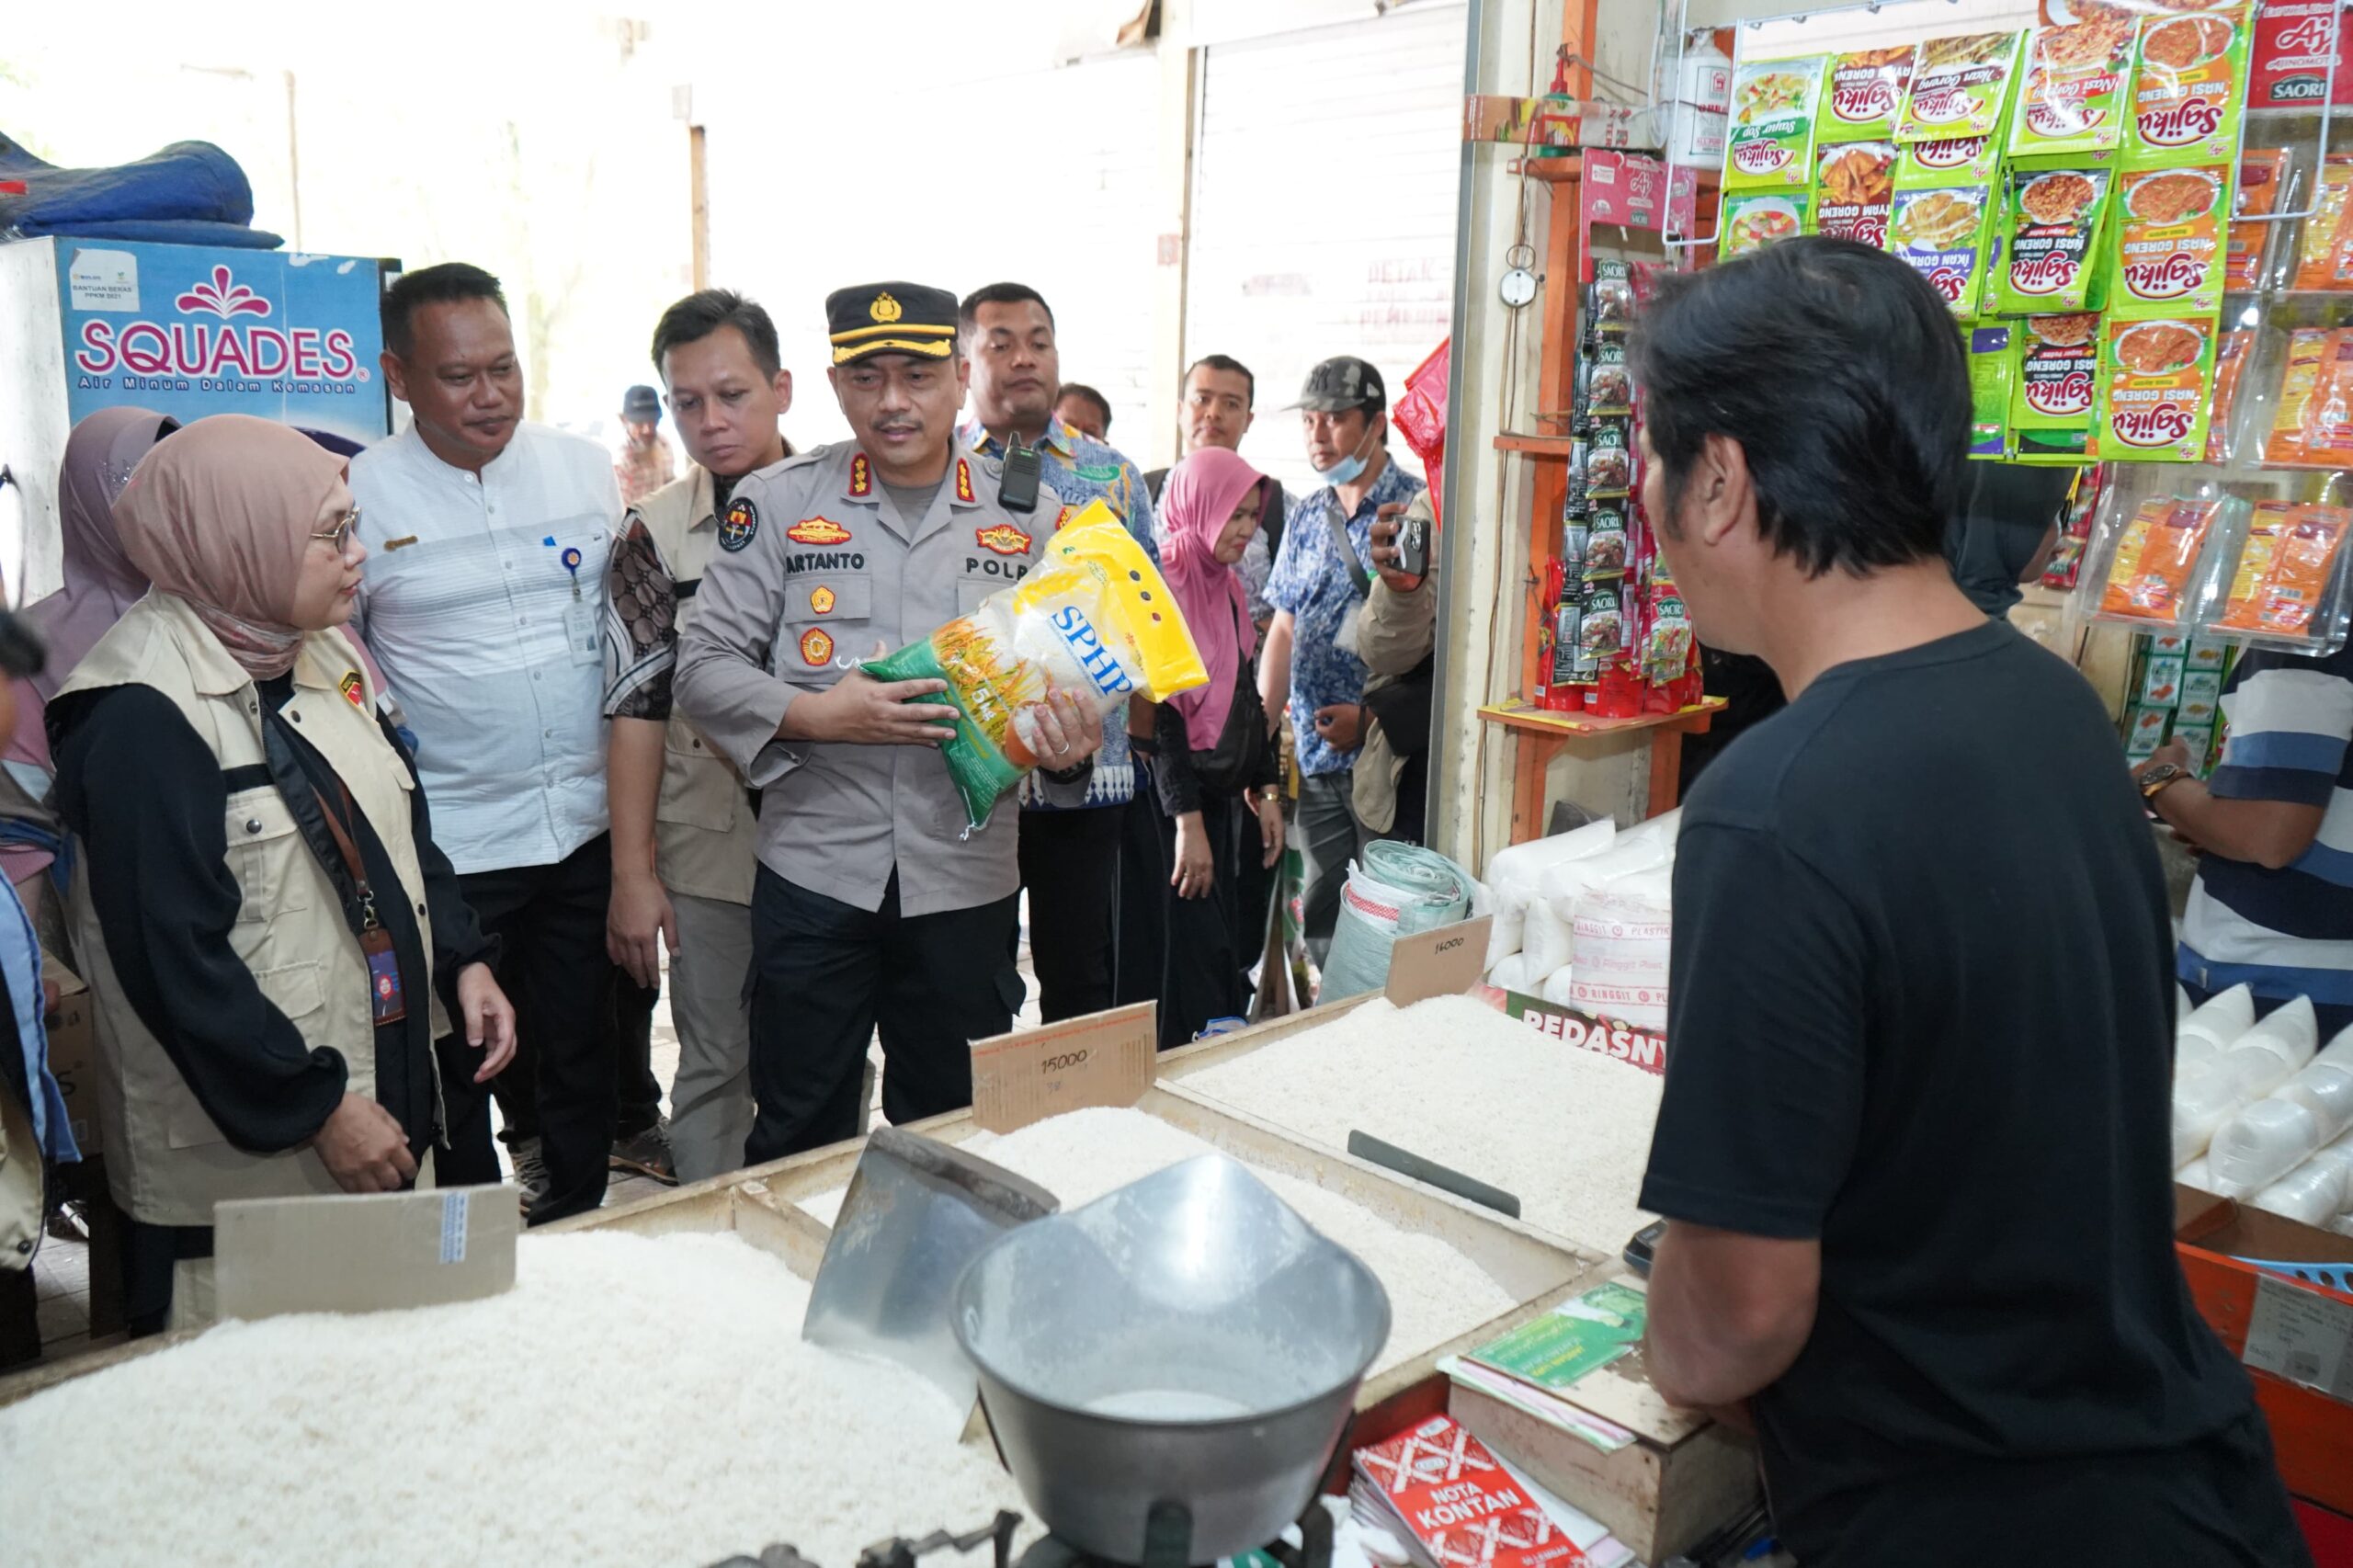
(1582, 919)
(2259, 1114)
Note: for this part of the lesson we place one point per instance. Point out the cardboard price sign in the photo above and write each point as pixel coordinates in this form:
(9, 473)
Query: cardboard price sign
(1444, 962)
(1103, 1059)
(358, 1253)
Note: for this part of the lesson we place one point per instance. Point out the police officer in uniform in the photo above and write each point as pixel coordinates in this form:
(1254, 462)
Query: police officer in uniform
(873, 905)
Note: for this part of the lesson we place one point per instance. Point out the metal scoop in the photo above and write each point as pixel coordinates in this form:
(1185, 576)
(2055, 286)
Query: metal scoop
(917, 1213)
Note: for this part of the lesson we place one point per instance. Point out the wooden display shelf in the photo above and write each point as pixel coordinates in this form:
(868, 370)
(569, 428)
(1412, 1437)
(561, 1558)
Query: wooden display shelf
(1543, 735)
(1521, 716)
(1537, 446)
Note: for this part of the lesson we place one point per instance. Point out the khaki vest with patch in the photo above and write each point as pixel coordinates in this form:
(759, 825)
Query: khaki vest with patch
(167, 1162)
(705, 838)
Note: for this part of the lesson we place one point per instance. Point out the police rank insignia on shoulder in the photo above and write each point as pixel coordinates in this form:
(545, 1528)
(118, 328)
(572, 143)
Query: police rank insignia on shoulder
(354, 690)
(963, 482)
(1063, 518)
(740, 526)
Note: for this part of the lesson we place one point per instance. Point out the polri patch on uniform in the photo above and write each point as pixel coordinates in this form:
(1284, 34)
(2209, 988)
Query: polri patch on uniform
(817, 649)
(740, 526)
(355, 690)
(817, 530)
(1004, 539)
(821, 600)
(964, 481)
(861, 476)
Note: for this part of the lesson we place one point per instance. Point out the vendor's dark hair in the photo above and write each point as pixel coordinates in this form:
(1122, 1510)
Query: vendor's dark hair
(1231, 367)
(443, 285)
(703, 312)
(1840, 372)
(967, 315)
(1082, 391)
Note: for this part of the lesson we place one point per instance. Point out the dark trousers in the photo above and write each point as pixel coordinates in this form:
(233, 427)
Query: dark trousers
(1411, 820)
(1142, 947)
(637, 1092)
(1212, 941)
(550, 923)
(826, 975)
(1070, 863)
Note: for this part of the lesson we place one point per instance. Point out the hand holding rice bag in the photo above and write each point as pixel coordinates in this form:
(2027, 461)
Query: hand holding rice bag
(1097, 621)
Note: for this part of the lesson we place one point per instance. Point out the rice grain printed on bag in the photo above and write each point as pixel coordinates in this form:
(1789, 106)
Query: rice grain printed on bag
(1096, 622)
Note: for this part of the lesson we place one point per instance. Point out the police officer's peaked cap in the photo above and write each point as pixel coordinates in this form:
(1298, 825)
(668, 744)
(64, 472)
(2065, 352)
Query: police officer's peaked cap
(891, 318)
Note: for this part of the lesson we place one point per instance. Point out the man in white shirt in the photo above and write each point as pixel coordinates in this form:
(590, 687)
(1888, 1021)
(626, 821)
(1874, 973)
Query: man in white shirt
(487, 539)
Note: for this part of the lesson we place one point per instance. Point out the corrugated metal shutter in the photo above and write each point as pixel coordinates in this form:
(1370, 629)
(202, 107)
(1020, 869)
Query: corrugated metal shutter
(1324, 193)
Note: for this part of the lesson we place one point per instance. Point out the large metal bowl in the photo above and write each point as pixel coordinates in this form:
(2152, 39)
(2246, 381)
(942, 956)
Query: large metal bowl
(1187, 1340)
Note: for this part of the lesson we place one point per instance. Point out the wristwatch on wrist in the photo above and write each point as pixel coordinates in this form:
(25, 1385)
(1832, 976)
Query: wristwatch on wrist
(2157, 779)
(1271, 793)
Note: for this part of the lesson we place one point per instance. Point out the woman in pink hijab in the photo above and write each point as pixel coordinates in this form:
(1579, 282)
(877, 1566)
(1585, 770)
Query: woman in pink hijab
(1216, 773)
(100, 584)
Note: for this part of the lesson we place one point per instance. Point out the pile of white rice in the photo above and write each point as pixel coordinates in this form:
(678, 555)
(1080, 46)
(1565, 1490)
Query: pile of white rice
(634, 1402)
(1566, 1130)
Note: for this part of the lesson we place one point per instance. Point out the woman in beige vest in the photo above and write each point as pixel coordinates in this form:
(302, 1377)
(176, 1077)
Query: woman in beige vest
(272, 941)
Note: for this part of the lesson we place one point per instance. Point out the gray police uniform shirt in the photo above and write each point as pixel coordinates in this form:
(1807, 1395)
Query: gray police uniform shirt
(815, 567)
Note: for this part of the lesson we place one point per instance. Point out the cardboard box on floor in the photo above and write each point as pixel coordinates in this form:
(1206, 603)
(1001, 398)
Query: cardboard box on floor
(2294, 1335)
(74, 1054)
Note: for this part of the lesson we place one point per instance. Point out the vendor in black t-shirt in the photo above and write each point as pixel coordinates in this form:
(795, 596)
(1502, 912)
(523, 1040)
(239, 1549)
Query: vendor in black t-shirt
(1914, 1149)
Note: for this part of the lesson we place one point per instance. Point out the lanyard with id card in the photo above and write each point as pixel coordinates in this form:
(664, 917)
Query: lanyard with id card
(385, 1002)
(582, 633)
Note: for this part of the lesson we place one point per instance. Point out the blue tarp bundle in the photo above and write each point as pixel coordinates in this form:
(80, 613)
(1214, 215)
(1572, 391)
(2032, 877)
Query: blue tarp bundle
(189, 193)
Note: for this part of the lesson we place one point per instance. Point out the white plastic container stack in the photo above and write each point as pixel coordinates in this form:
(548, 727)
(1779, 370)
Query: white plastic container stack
(2313, 1192)
(2267, 1139)
(2257, 1062)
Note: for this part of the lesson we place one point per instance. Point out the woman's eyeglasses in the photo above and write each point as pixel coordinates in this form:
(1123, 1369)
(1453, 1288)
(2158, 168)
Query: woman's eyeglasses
(339, 536)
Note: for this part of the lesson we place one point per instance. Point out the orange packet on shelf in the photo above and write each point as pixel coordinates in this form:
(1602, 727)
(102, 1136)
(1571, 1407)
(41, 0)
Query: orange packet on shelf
(2230, 369)
(2316, 255)
(2261, 174)
(2149, 579)
(2308, 348)
(2280, 593)
(2328, 416)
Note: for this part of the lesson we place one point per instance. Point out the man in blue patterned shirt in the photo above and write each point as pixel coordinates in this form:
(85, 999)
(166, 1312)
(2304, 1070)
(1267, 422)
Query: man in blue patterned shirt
(1318, 586)
(1069, 856)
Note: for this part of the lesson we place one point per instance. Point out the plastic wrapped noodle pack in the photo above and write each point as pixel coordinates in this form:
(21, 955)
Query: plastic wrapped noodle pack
(1095, 619)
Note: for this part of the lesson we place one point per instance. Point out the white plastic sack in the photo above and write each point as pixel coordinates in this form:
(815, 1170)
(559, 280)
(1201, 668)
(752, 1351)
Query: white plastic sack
(1560, 986)
(2313, 1193)
(2222, 1020)
(1546, 946)
(2197, 1173)
(1521, 863)
(2192, 1054)
(1511, 974)
(1619, 942)
(1565, 882)
(1393, 891)
(1509, 929)
(2339, 1152)
(1660, 830)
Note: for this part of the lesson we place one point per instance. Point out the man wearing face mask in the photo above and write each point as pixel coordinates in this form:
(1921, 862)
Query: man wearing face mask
(1321, 580)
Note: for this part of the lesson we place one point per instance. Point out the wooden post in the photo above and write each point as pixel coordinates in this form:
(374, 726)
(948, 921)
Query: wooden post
(699, 188)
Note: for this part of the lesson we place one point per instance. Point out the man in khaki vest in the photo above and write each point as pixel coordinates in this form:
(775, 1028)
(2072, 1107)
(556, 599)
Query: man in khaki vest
(683, 823)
